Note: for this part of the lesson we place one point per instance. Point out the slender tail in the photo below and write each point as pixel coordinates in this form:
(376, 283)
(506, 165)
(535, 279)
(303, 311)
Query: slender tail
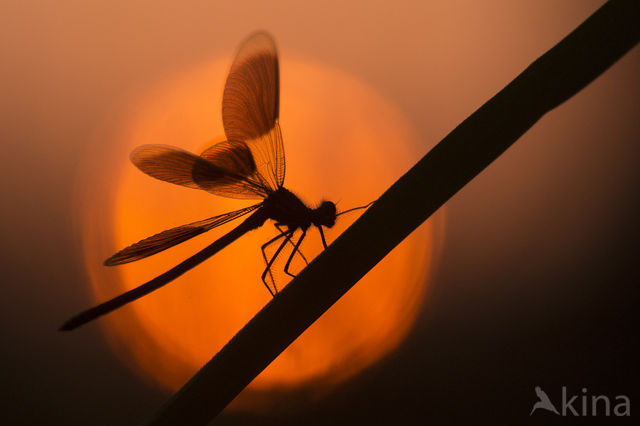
(252, 222)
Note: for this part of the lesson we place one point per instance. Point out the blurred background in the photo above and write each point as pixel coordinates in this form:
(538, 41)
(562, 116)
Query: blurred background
(535, 280)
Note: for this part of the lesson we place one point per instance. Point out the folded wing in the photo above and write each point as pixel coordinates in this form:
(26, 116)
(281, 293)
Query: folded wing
(173, 236)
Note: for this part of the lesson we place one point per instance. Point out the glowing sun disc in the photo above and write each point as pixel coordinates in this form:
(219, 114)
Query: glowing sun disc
(343, 142)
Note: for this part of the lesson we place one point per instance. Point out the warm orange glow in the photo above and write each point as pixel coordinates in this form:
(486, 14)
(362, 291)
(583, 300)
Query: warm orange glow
(343, 142)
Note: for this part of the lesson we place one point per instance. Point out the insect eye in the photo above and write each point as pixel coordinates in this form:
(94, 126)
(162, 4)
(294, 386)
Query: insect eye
(328, 208)
(327, 212)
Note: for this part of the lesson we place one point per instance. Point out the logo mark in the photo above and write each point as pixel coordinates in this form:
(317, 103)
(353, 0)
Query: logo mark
(543, 402)
(585, 404)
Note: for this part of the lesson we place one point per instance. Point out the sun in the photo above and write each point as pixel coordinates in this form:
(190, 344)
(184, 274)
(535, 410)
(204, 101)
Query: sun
(343, 142)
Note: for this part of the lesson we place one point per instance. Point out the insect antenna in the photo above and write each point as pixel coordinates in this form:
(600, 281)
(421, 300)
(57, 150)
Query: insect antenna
(356, 208)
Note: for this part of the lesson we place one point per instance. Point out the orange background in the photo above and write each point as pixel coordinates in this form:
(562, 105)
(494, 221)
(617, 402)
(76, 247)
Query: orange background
(535, 284)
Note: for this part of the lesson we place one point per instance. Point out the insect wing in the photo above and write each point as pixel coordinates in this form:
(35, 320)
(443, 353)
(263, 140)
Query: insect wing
(169, 238)
(250, 106)
(175, 165)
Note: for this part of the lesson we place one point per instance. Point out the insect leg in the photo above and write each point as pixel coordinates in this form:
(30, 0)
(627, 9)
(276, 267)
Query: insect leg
(279, 227)
(264, 254)
(288, 236)
(271, 241)
(324, 242)
(295, 249)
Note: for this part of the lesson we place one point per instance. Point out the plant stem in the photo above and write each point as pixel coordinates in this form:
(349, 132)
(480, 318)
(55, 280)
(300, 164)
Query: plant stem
(552, 79)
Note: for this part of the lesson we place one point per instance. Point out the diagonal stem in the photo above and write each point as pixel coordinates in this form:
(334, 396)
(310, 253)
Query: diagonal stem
(552, 79)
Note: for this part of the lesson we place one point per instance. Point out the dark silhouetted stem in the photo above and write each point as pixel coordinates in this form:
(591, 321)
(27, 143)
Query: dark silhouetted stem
(552, 79)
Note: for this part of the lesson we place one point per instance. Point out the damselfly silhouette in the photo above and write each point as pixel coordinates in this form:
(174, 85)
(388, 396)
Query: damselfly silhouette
(249, 164)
